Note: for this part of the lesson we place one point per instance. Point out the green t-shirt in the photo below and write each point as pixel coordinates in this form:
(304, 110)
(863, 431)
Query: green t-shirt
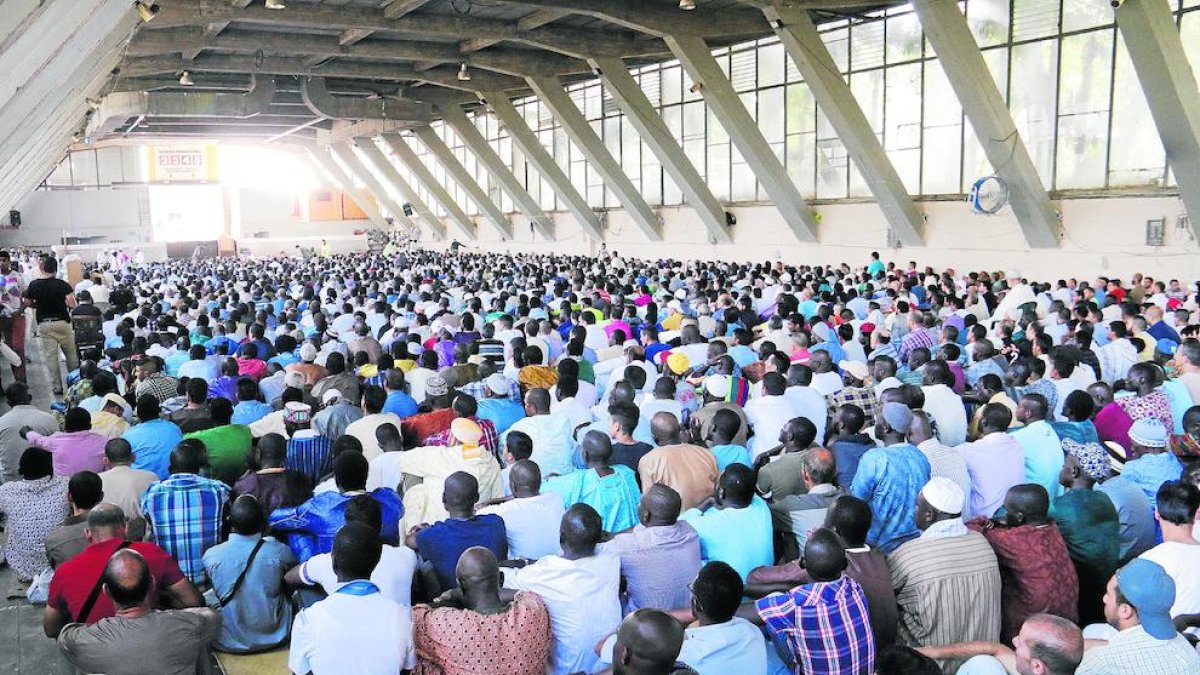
(227, 447)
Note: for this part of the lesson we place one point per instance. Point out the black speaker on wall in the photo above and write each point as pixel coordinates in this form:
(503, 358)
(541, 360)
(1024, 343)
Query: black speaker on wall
(14, 218)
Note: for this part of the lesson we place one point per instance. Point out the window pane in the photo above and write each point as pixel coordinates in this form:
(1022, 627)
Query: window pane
(1137, 156)
(989, 21)
(771, 59)
(1033, 102)
(904, 38)
(866, 45)
(902, 132)
(1081, 14)
(1083, 110)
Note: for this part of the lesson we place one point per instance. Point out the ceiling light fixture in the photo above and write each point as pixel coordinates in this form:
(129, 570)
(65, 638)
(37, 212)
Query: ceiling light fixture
(146, 12)
(185, 79)
(275, 4)
(696, 87)
(463, 74)
(687, 5)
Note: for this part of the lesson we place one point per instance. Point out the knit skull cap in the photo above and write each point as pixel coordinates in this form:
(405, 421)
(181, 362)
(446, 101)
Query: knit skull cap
(294, 380)
(678, 362)
(1148, 433)
(436, 386)
(308, 352)
(717, 386)
(897, 416)
(468, 432)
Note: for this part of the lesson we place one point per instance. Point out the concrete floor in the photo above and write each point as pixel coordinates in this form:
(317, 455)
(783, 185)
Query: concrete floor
(24, 648)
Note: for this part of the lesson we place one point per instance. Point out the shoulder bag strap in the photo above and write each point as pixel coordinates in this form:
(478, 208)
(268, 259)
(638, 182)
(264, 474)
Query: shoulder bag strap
(224, 600)
(95, 594)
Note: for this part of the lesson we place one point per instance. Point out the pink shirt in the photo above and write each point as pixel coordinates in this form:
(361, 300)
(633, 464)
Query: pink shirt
(73, 451)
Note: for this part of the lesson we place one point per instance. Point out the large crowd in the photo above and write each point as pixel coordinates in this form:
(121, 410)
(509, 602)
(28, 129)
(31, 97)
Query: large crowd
(464, 462)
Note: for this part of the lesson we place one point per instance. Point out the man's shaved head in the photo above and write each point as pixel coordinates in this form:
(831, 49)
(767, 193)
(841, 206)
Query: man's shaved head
(525, 478)
(477, 565)
(660, 505)
(1027, 504)
(664, 426)
(461, 491)
(597, 447)
(824, 555)
(648, 641)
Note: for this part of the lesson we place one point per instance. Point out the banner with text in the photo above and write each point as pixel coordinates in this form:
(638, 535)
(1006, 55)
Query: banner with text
(182, 163)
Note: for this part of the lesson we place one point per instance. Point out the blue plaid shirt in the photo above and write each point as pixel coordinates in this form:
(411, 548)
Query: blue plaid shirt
(309, 455)
(185, 512)
(479, 390)
(825, 625)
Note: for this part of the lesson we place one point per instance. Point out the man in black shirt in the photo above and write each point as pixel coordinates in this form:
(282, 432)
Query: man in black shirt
(52, 299)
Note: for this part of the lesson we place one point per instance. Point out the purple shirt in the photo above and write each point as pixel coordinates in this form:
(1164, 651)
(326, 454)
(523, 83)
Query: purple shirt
(73, 451)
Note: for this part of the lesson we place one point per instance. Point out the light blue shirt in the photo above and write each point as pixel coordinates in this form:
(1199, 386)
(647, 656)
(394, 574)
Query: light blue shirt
(742, 355)
(502, 412)
(740, 537)
(1043, 455)
(259, 615)
(730, 454)
(615, 496)
(889, 479)
(153, 442)
(1149, 472)
(736, 646)
(249, 412)
(200, 368)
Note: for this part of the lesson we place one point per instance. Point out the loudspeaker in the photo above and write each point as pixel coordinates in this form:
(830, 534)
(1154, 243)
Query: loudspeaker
(408, 209)
(14, 218)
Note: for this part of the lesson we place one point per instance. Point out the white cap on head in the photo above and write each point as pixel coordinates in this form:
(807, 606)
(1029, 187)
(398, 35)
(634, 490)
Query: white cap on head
(944, 495)
(330, 395)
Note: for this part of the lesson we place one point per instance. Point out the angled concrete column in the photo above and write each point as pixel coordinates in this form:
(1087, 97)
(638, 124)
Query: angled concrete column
(803, 43)
(343, 181)
(1156, 49)
(459, 172)
(535, 153)
(457, 119)
(374, 156)
(551, 92)
(424, 176)
(654, 132)
(947, 30)
(358, 169)
(743, 132)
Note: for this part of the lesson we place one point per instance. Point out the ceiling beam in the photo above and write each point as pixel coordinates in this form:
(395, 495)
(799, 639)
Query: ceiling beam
(658, 18)
(320, 47)
(529, 22)
(276, 65)
(394, 9)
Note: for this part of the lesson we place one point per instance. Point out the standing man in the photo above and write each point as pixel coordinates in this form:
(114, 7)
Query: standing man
(53, 299)
(12, 313)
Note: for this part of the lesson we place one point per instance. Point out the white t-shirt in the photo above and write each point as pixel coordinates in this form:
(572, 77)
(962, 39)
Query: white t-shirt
(946, 408)
(361, 634)
(393, 575)
(1182, 563)
(582, 597)
(827, 383)
(767, 416)
(811, 405)
(531, 524)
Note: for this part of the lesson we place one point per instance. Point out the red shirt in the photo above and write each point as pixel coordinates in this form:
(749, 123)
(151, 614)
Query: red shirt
(1036, 574)
(73, 580)
(419, 428)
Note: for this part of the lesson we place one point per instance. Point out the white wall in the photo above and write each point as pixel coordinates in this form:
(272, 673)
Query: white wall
(46, 214)
(1102, 236)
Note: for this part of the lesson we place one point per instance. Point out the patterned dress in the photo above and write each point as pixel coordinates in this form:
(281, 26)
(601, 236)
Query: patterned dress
(33, 507)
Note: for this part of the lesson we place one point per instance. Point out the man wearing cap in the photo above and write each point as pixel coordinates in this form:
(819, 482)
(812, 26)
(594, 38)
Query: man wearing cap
(336, 415)
(889, 478)
(1088, 522)
(418, 428)
(307, 367)
(109, 420)
(1137, 603)
(716, 389)
(497, 404)
(423, 503)
(947, 580)
(1154, 464)
(855, 390)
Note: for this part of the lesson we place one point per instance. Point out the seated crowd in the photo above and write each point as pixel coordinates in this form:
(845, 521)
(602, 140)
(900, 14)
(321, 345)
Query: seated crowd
(481, 463)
